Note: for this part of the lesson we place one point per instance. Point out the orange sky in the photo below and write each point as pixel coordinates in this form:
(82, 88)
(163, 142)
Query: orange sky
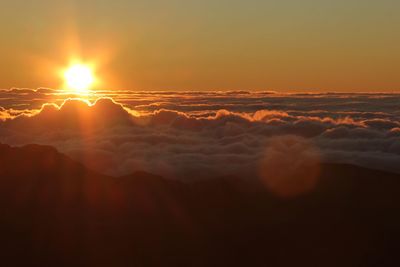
(153, 45)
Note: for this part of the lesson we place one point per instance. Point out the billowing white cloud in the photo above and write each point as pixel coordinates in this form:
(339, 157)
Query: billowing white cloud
(193, 134)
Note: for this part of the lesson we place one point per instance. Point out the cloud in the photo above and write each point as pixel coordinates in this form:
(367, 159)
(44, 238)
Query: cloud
(383, 124)
(74, 114)
(190, 135)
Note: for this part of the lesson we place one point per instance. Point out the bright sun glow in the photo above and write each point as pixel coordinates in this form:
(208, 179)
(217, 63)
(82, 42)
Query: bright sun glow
(79, 78)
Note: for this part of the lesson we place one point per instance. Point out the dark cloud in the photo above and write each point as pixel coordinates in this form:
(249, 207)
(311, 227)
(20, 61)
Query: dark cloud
(381, 124)
(202, 134)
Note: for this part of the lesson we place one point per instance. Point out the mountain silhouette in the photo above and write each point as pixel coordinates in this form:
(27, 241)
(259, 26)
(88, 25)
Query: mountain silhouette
(56, 212)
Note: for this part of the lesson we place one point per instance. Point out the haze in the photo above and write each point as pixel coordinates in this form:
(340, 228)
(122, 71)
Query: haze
(344, 45)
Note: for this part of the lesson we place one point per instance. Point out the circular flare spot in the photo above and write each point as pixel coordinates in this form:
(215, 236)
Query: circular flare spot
(290, 166)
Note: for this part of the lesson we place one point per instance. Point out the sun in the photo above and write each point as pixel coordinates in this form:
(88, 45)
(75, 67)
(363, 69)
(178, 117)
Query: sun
(79, 78)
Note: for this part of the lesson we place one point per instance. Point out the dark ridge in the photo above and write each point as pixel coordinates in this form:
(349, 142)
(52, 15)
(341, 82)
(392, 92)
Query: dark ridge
(55, 212)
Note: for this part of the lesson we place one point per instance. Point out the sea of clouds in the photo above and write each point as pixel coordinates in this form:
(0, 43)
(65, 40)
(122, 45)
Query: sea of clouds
(189, 135)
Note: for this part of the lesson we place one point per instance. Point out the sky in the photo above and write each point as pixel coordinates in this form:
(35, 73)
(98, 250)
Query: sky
(285, 45)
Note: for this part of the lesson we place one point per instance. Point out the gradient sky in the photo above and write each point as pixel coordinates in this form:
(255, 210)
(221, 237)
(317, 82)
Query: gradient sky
(284, 45)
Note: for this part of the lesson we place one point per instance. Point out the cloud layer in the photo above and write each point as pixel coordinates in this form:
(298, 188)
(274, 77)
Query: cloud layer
(202, 134)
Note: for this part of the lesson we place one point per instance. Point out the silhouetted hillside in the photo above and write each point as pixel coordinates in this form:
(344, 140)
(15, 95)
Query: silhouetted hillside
(55, 212)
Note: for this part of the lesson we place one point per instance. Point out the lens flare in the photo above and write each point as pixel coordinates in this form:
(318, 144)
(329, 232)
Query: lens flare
(291, 166)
